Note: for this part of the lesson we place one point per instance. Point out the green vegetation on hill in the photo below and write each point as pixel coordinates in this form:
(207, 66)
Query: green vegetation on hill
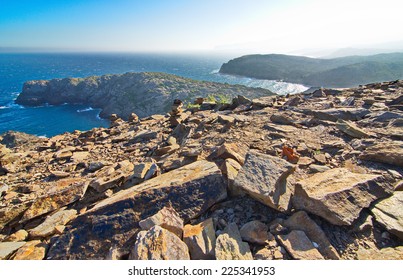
(337, 72)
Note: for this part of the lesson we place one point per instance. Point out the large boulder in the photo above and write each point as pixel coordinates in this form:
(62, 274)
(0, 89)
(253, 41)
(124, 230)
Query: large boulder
(387, 152)
(389, 213)
(191, 190)
(264, 178)
(339, 195)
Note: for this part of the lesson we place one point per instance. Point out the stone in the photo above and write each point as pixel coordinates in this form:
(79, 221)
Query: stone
(230, 168)
(301, 221)
(112, 176)
(32, 250)
(351, 129)
(255, 232)
(167, 150)
(264, 178)
(166, 218)
(200, 239)
(60, 174)
(65, 153)
(305, 161)
(229, 245)
(266, 101)
(389, 213)
(226, 119)
(144, 135)
(159, 244)
(319, 93)
(20, 235)
(386, 152)
(48, 227)
(347, 114)
(263, 254)
(140, 170)
(191, 189)
(55, 200)
(298, 245)
(79, 156)
(8, 248)
(133, 118)
(314, 168)
(232, 150)
(281, 119)
(382, 254)
(338, 195)
(95, 166)
(321, 158)
(9, 213)
(153, 171)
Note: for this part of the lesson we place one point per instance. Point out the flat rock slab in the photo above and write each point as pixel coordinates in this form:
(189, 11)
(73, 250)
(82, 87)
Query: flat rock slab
(48, 227)
(264, 178)
(159, 244)
(191, 190)
(388, 152)
(56, 200)
(7, 248)
(255, 232)
(339, 195)
(229, 245)
(389, 213)
(347, 114)
(32, 250)
(383, 254)
(298, 245)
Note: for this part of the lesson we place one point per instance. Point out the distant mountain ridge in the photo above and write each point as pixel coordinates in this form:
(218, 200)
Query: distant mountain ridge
(337, 72)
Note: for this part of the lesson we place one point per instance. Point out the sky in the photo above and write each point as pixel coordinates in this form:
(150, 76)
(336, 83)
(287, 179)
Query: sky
(250, 26)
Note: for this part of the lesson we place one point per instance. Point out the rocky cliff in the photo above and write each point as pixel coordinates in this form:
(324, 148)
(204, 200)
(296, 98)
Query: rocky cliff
(142, 93)
(337, 72)
(307, 176)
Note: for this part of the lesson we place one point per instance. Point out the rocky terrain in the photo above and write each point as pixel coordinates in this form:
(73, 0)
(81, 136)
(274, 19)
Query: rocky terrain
(144, 94)
(338, 72)
(306, 176)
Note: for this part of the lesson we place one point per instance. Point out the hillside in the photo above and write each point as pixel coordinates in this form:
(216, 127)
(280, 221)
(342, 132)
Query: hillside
(336, 72)
(142, 93)
(306, 176)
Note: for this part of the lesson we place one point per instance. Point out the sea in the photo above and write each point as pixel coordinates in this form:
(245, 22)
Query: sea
(47, 121)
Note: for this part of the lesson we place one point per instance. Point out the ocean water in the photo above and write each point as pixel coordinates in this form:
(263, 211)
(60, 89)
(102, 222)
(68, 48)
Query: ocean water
(48, 121)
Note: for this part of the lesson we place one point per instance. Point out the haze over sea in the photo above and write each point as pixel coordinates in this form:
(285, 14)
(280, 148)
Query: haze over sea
(48, 121)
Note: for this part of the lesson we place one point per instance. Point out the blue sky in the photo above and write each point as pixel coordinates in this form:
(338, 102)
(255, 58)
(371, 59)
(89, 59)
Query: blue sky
(179, 25)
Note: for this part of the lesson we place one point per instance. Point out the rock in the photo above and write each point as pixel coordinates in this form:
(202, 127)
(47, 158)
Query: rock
(95, 166)
(339, 195)
(264, 178)
(266, 101)
(347, 114)
(8, 248)
(229, 245)
(153, 171)
(321, 158)
(226, 119)
(48, 227)
(159, 244)
(9, 213)
(382, 254)
(230, 168)
(351, 129)
(386, 152)
(191, 189)
(112, 176)
(263, 254)
(166, 218)
(305, 161)
(55, 200)
(255, 232)
(314, 168)
(20, 235)
(232, 150)
(32, 250)
(201, 240)
(301, 221)
(60, 174)
(167, 150)
(65, 153)
(389, 213)
(140, 170)
(133, 118)
(143, 136)
(79, 156)
(299, 246)
(281, 119)
(319, 93)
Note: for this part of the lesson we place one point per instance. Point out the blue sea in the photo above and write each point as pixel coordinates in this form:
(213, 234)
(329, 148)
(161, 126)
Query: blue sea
(48, 121)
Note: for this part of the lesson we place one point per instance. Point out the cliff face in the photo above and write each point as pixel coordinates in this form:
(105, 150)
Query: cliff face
(142, 93)
(337, 72)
